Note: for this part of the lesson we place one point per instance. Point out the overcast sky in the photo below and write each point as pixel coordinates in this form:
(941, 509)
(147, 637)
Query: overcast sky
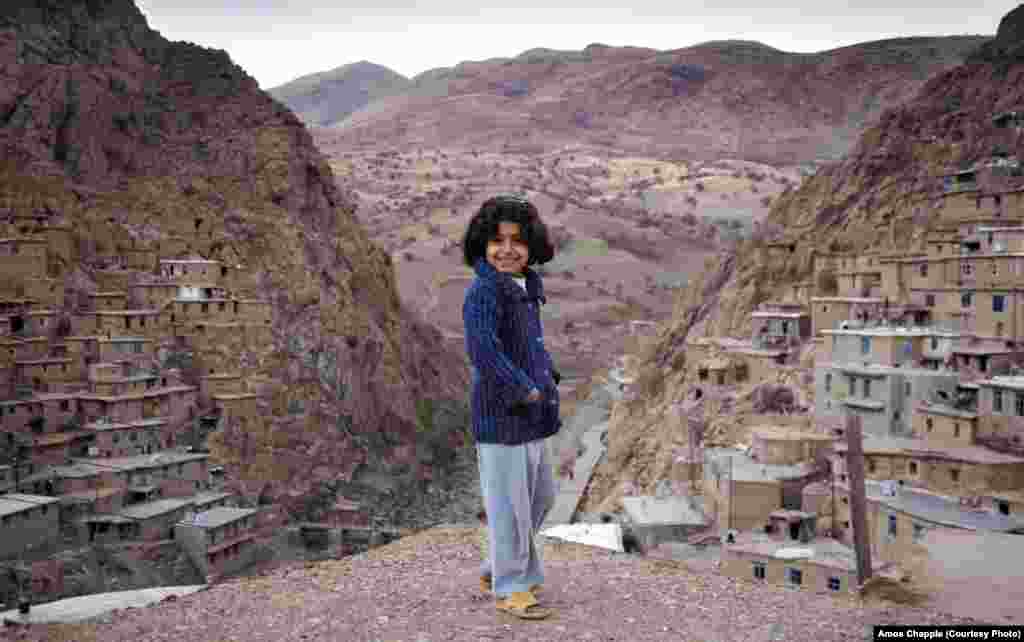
(278, 41)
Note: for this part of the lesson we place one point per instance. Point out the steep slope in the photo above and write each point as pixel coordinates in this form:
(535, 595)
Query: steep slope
(133, 141)
(881, 195)
(330, 96)
(731, 98)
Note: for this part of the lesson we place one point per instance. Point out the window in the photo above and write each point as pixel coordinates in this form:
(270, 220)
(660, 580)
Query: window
(929, 300)
(997, 401)
(867, 388)
(995, 269)
(117, 437)
(906, 388)
(828, 382)
(924, 269)
(794, 576)
(929, 424)
(954, 475)
(834, 583)
(1020, 404)
(865, 345)
(1003, 506)
(913, 468)
(64, 405)
(966, 269)
(966, 299)
(892, 526)
(918, 532)
(998, 302)
(956, 428)
(759, 570)
(871, 465)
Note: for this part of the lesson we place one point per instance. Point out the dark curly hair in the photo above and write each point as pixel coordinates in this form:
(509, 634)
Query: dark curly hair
(509, 209)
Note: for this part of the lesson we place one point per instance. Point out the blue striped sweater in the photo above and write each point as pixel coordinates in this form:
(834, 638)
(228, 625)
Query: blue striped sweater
(505, 342)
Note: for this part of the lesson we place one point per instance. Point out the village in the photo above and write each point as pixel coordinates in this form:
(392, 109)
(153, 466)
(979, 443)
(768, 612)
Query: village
(916, 425)
(107, 395)
(106, 399)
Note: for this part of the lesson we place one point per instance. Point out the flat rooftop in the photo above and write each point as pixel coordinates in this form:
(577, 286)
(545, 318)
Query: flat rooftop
(154, 509)
(820, 551)
(216, 517)
(649, 511)
(941, 510)
(141, 461)
(17, 502)
(881, 370)
(894, 331)
(1016, 382)
(920, 448)
(745, 469)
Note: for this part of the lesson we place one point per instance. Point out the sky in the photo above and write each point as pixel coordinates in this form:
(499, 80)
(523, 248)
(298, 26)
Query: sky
(278, 41)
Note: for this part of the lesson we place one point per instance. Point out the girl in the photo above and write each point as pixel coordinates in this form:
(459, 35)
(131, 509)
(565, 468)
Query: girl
(515, 395)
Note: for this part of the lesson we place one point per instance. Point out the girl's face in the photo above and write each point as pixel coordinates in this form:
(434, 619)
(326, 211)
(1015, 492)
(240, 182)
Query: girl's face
(507, 252)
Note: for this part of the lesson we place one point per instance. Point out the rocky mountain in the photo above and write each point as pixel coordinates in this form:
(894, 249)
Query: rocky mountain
(330, 96)
(726, 98)
(138, 144)
(882, 194)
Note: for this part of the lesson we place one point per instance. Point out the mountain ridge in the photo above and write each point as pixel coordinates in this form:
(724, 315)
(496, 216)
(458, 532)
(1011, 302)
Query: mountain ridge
(721, 98)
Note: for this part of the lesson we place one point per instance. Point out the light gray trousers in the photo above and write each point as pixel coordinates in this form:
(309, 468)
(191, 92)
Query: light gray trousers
(518, 489)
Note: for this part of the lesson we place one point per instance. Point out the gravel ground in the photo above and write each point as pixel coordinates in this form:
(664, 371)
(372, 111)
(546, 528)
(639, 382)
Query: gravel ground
(423, 588)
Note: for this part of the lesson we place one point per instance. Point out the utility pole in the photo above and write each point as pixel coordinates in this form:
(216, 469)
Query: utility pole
(858, 500)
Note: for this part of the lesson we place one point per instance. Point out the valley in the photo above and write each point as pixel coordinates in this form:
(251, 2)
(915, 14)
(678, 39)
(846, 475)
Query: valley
(629, 231)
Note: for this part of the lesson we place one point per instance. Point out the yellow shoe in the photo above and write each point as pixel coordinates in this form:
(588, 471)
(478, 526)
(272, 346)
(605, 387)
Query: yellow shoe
(524, 606)
(485, 585)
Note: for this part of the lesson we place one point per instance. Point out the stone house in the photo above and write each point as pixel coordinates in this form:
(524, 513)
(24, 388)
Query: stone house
(955, 470)
(780, 325)
(127, 439)
(882, 345)
(943, 425)
(219, 541)
(898, 517)
(884, 397)
(742, 492)
(827, 312)
(27, 521)
(1001, 413)
(57, 410)
(821, 565)
(781, 446)
(173, 474)
(148, 521)
(176, 404)
(664, 519)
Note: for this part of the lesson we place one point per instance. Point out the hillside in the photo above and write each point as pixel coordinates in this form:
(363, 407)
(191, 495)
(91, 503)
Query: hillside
(143, 150)
(884, 195)
(330, 96)
(733, 98)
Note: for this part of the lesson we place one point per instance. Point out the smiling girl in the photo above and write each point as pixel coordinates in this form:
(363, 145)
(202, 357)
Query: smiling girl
(514, 397)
